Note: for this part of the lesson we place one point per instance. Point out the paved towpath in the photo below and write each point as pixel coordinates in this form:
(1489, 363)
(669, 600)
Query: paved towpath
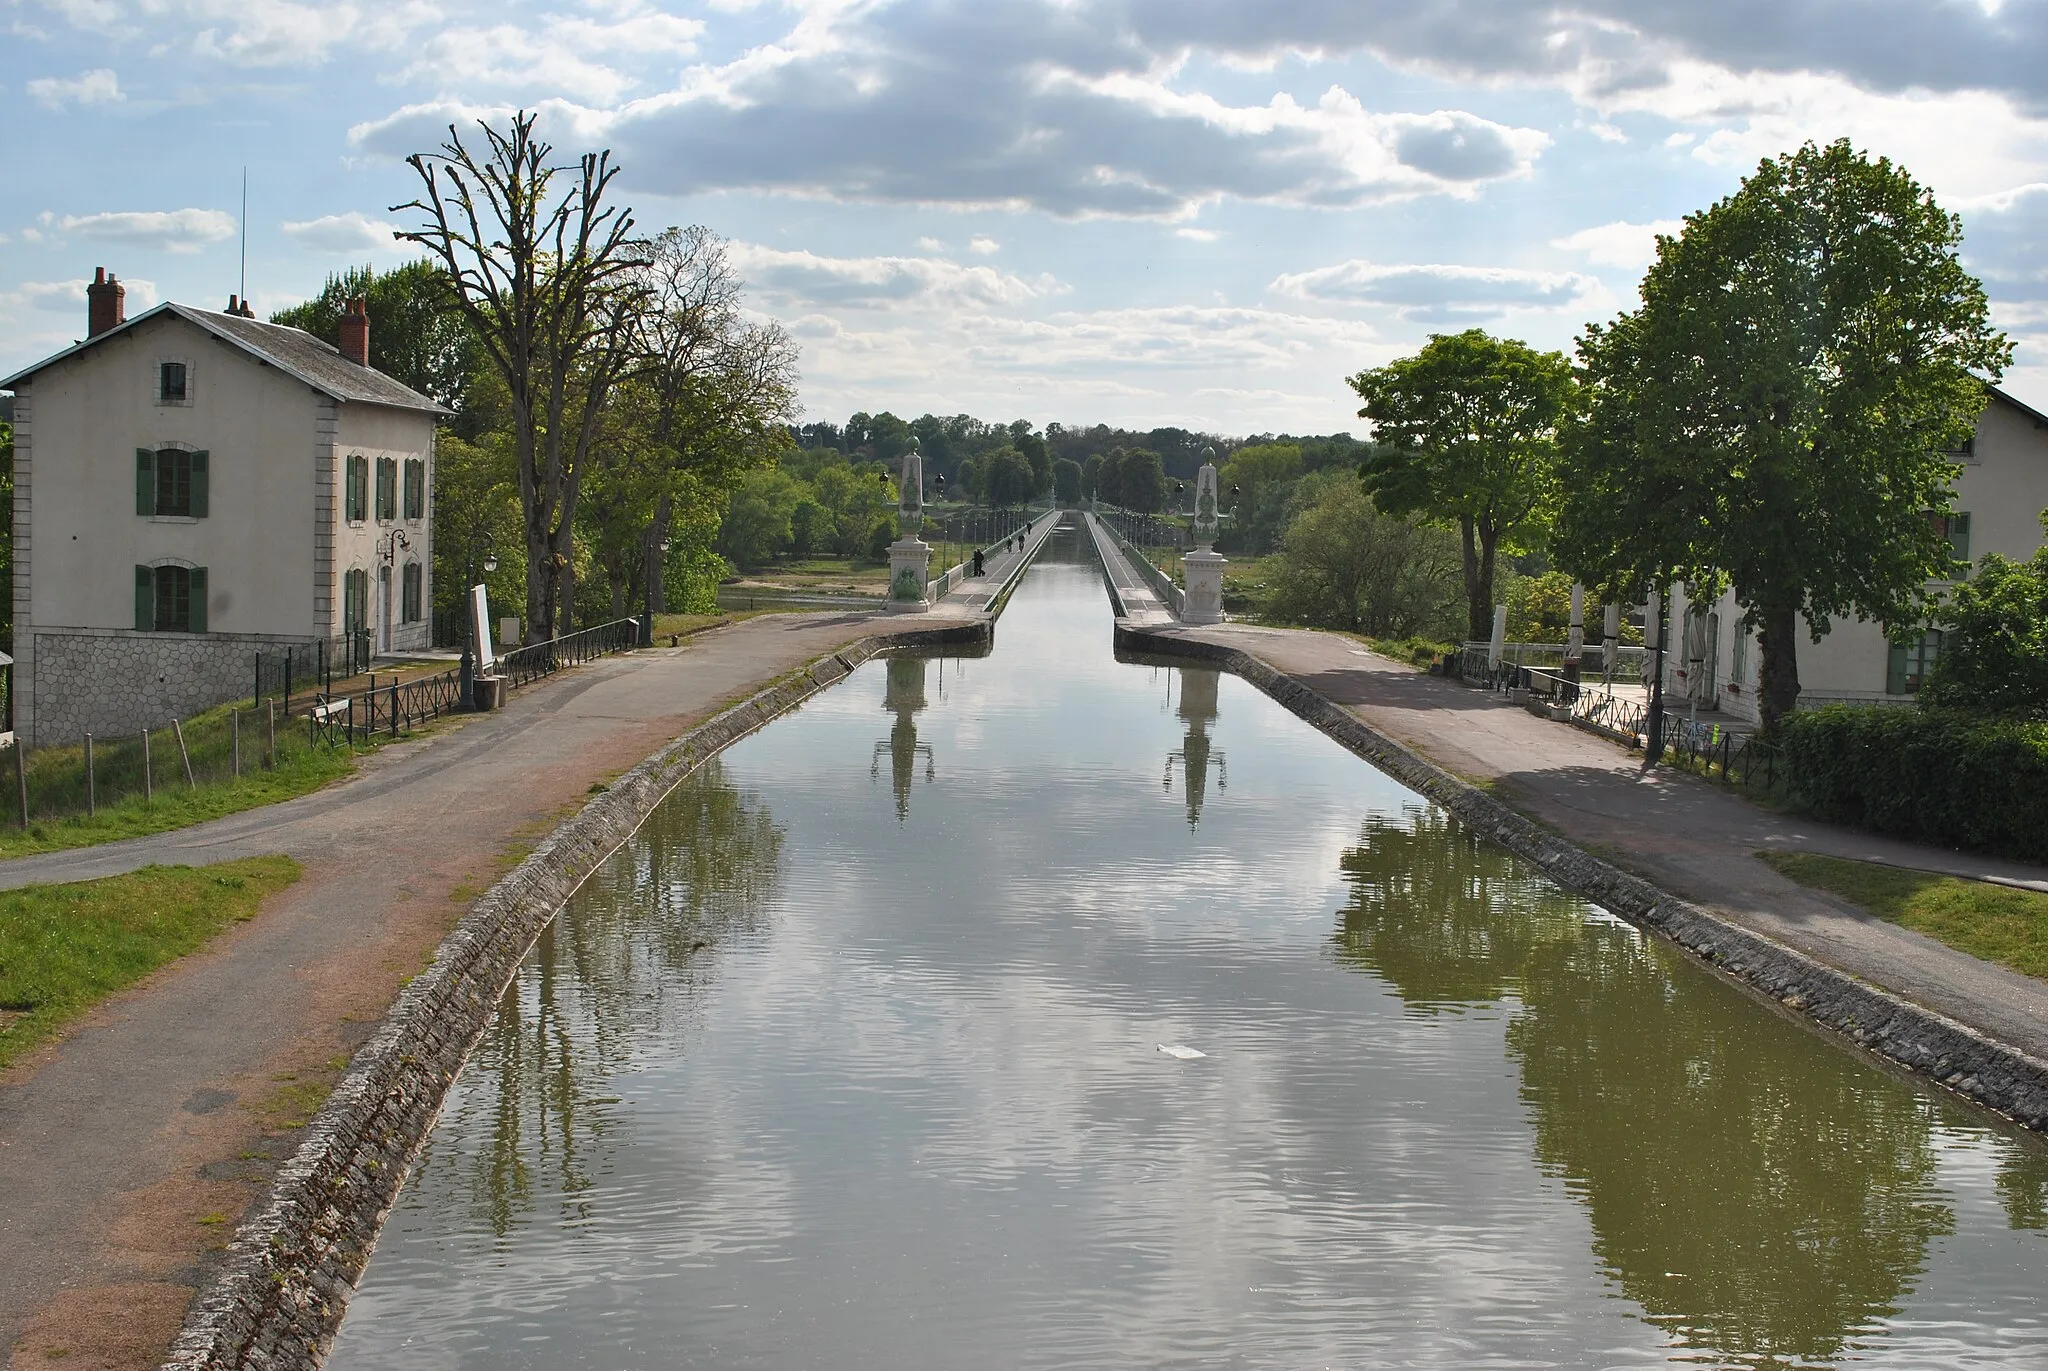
(1691, 837)
(128, 1149)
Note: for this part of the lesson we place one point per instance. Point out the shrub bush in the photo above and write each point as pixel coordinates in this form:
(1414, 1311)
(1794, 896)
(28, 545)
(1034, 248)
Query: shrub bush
(1932, 775)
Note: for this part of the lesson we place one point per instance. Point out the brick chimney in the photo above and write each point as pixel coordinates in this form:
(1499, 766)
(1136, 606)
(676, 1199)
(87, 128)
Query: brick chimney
(355, 332)
(106, 303)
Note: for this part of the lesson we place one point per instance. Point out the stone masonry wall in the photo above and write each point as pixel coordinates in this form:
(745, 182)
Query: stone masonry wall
(294, 1263)
(1993, 1074)
(107, 682)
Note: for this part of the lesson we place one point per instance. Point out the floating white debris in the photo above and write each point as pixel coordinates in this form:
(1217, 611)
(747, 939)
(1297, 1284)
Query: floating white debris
(1180, 1052)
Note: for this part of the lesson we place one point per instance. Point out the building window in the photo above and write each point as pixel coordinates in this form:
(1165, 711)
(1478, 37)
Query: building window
(1955, 528)
(387, 489)
(173, 384)
(1910, 662)
(170, 599)
(358, 488)
(355, 600)
(415, 488)
(171, 481)
(409, 594)
(1738, 666)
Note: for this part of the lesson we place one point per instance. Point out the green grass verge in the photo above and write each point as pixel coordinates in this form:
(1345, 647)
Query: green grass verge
(1996, 923)
(299, 771)
(63, 948)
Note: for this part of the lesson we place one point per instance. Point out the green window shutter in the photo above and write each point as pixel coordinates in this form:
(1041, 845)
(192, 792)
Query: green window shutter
(1959, 536)
(199, 465)
(1895, 671)
(145, 599)
(145, 482)
(195, 617)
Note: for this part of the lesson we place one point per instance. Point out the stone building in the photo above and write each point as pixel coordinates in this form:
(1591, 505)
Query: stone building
(191, 487)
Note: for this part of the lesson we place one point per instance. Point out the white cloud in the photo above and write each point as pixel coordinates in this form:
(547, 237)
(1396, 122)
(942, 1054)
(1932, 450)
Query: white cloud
(806, 279)
(1436, 292)
(576, 56)
(982, 245)
(97, 87)
(352, 232)
(1197, 235)
(931, 245)
(68, 297)
(1620, 244)
(178, 230)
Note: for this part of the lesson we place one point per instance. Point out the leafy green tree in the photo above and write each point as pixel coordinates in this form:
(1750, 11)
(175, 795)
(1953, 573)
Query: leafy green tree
(1140, 481)
(1467, 432)
(1264, 475)
(757, 517)
(1776, 414)
(1346, 565)
(476, 517)
(1066, 481)
(1994, 656)
(1007, 478)
(1091, 475)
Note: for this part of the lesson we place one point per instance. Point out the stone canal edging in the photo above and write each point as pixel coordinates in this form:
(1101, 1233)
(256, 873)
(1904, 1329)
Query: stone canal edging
(288, 1275)
(1991, 1073)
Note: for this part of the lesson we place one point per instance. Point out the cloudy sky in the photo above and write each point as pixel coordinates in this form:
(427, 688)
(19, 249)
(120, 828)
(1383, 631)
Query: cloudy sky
(1195, 212)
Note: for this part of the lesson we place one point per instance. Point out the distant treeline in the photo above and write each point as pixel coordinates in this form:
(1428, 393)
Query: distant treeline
(986, 461)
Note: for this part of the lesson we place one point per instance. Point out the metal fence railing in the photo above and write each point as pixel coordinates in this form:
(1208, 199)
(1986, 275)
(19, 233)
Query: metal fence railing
(525, 664)
(1162, 585)
(390, 709)
(312, 667)
(103, 769)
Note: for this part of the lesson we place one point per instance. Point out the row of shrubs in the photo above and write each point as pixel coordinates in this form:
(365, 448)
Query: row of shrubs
(1941, 776)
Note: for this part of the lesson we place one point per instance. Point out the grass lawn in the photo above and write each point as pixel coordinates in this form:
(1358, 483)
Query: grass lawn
(63, 948)
(843, 575)
(1994, 922)
(301, 767)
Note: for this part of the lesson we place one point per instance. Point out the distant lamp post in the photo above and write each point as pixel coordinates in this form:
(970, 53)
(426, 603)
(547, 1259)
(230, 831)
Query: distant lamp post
(653, 557)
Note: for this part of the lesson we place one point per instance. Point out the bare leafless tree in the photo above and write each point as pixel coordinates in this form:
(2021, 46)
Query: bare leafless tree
(551, 279)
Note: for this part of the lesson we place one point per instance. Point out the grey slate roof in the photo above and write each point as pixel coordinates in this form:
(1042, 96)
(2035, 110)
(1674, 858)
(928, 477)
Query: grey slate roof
(292, 351)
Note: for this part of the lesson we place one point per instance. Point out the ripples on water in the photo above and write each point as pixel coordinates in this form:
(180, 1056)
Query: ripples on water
(851, 1059)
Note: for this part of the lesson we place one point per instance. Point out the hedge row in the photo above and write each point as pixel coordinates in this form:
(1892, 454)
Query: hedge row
(1935, 776)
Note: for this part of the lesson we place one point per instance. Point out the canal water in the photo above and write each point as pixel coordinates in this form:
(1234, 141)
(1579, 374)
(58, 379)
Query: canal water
(853, 1058)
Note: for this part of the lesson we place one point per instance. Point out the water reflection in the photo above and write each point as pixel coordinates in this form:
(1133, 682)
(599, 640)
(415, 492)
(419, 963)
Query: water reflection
(1758, 1202)
(599, 987)
(904, 695)
(830, 1088)
(1198, 711)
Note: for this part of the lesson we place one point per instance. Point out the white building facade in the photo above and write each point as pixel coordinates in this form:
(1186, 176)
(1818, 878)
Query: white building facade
(2000, 494)
(193, 487)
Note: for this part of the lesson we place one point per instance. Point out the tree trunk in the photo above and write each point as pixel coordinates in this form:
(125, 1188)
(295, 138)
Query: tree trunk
(1777, 681)
(1478, 613)
(657, 565)
(1489, 544)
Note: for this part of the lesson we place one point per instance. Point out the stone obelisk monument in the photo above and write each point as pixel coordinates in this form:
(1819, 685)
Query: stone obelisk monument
(910, 557)
(1204, 603)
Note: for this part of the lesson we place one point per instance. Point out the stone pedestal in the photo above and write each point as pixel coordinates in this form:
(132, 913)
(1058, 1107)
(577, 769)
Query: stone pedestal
(1204, 603)
(910, 565)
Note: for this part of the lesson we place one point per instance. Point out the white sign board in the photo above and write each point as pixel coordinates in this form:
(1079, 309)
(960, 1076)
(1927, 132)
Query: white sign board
(480, 628)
